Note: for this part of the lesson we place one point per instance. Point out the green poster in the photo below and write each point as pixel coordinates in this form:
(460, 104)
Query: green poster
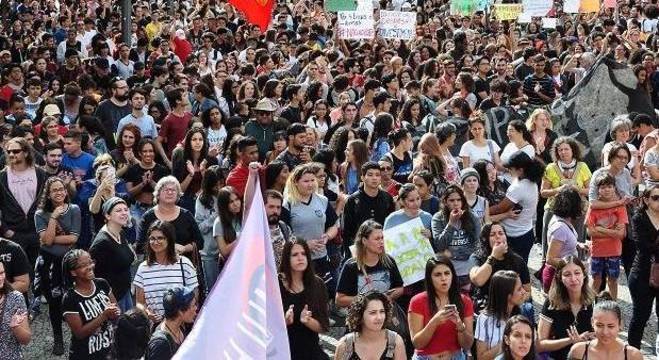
(464, 7)
(341, 5)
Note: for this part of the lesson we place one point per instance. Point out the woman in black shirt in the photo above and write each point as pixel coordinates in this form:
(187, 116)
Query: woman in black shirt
(645, 232)
(112, 253)
(88, 307)
(187, 164)
(566, 314)
(304, 297)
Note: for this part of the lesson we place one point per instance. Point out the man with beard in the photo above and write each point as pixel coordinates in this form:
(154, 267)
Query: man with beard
(111, 111)
(280, 233)
(297, 151)
(54, 167)
(21, 183)
(137, 116)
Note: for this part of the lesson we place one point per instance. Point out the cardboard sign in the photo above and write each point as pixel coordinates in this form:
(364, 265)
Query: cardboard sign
(572, 6)
(410, 249)
(589, 6)
(507, 11)
(355, 25)
(397, 25)
(549, 23)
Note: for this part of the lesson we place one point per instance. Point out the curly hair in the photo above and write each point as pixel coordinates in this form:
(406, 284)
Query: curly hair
(577, 148)
(358, 308)
(567, 204)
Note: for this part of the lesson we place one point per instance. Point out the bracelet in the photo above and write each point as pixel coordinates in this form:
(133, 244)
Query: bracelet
(464, 327)
(490, 260)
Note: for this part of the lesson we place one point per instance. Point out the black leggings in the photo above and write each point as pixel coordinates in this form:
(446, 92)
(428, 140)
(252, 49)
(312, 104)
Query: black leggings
(642, 298)
(51, 288)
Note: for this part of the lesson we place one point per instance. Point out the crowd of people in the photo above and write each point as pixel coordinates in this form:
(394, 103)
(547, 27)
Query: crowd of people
(125, 165)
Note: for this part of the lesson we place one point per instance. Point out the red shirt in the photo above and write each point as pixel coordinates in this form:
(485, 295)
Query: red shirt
(238, 178)
(173, 130)
(182, 49)
(607, 218)
(445, 337)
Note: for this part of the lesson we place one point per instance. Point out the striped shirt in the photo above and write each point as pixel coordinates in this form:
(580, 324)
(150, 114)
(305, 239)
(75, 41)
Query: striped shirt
(156, 279)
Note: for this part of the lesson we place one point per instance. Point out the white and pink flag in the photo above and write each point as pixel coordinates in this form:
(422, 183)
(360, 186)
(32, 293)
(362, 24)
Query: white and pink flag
(243, 317)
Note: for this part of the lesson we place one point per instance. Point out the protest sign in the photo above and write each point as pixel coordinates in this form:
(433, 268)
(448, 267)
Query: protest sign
(355, 25)
(589, 6)
(463, 7)
(409, 248)
(610, 4)
(397, 25)
(507, 11)
(537, 7)
(571, 6)
(549, 23)
(340, 5)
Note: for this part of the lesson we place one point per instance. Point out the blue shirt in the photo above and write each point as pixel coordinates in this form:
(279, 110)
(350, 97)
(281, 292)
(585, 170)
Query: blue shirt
(399, 217)
(82, 166)
(145, 123)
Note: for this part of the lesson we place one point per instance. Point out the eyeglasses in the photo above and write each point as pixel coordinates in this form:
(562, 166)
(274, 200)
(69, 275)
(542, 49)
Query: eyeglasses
(57, 190)
(14, 151)
(157, 238)
(386, 168)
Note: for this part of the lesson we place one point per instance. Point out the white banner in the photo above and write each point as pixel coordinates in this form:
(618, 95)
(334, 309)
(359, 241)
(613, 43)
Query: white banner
(355, 25)
(537, 7)
(397, 25)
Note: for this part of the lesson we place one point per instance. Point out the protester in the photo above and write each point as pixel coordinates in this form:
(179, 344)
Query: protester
(304, 298)
(607, 318)
(368, 316)
(518, 340)
(180, 308)
(14, 324)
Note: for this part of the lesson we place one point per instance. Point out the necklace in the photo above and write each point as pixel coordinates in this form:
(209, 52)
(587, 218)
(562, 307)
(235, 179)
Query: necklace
(177, 336)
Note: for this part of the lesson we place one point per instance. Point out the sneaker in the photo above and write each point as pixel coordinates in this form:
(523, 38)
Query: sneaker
(58, 347)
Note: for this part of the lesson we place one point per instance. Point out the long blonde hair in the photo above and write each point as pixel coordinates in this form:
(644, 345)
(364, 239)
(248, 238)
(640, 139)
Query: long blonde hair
(530, 122)
(291, 192)
(364, 231)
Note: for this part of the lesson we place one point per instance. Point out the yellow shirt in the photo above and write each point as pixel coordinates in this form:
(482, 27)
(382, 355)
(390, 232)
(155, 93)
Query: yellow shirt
(152, 30)
(555, 178)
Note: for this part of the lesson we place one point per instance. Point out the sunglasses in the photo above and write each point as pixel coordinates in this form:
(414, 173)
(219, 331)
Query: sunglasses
(15, 151)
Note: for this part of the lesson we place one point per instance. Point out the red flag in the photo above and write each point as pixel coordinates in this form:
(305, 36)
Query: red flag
(257, 12)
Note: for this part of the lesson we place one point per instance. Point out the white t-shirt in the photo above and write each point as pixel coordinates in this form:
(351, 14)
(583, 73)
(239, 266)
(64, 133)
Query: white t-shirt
(475, 152)
(525, 194)
(489, 330)
(509, 150)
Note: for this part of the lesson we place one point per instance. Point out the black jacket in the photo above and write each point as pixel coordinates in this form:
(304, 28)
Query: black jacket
(13, 218)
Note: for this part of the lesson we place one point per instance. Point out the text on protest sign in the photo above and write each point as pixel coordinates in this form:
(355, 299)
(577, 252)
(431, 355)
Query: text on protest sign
(463, 7)
(537, 7)
(507, 11)
(355, 25)
(409, 248)
(397, 25)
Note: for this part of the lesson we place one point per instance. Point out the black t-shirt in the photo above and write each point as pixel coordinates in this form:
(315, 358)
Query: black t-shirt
(97, 345)
(14, 259)
(352, 281)
(513, 262)
(113, 262)
(135, 172)
(561, 320)
(402, 167)
(481, 84)
(161, 346)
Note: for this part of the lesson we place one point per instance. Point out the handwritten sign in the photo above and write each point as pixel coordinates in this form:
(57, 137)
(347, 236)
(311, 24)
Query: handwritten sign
(355, 25)
(537, 7)
(610, 4)
(409, 248)
(507, 11)
(463, 7)
(397, 25)
(340, 5)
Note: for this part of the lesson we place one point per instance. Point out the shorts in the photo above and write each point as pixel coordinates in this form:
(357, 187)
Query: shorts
(605, 265)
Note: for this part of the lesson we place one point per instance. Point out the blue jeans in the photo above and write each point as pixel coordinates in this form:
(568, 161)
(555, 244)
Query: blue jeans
(126, 302)
(211, 271)
(459, 355)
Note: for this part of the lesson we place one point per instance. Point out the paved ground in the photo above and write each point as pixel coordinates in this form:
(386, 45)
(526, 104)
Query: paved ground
(42, 340)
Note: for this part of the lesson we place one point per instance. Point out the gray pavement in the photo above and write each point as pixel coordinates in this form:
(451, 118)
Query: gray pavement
(42, 340)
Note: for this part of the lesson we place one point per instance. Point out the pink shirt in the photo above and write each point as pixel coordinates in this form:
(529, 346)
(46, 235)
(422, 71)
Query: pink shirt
(23, 185)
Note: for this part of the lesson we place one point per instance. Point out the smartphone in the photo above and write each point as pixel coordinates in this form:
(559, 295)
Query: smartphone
(450, 307)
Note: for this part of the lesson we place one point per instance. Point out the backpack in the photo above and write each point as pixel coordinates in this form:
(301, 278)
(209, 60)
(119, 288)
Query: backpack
(350, 345)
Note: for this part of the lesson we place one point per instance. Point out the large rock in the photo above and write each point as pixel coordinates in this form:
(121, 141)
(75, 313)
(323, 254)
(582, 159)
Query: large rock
(608, 89)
